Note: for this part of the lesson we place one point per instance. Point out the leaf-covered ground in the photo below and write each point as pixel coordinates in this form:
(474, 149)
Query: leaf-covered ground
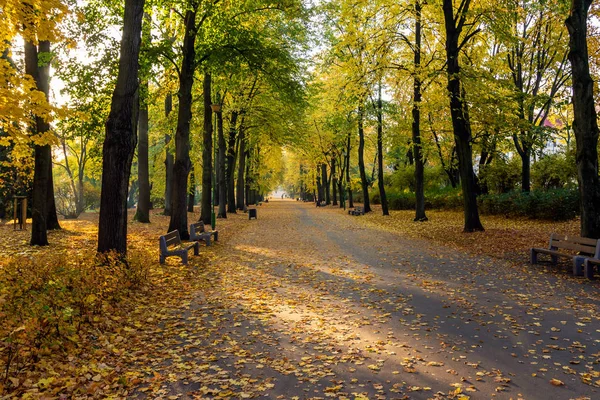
(312, 303)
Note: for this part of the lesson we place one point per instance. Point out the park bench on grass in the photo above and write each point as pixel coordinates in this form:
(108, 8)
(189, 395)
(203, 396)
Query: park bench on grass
(170, 245)
(198, 233)
(357, 211)
(577, 248)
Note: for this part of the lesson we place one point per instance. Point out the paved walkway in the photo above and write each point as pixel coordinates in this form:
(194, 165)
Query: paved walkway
(307, 302)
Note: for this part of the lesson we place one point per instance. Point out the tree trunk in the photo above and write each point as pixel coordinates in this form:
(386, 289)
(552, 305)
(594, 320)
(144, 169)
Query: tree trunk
(361, 160)
(168, 161)
(325, 184)
(207, 164)
(221, 168)
(381, 184)
(348, 185)
(231, 158)
(120, 139)
(416, 124)
(42, 156)
(460, 117)
(526, 171)
(334, 181)
(241, 169)
(182, 165)
(585, 123)
(51, 214)
(248, 178)
(191, 192)
(142, 213)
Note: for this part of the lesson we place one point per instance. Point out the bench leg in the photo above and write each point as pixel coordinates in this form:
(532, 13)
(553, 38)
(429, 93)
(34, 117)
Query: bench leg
(554, 259)
(162, 259)
(184, 258)
(207, 240)
(533, 256)
(216, 236)
(578, 265)
(589, 269)
(196, 249)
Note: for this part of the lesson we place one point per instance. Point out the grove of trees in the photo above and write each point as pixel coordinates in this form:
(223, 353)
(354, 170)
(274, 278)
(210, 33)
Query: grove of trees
(160, 104)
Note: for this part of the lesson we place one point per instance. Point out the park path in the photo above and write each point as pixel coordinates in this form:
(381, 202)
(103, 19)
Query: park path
(309, 302)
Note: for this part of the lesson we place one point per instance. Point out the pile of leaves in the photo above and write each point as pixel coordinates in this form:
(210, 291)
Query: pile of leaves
(505, 238)
(71, 323)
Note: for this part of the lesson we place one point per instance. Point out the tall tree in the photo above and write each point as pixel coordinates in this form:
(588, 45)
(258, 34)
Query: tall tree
(142, 213)
(361, 159)
(207, 162)
(380, 182)
(168, 160)
(585, 124)
(221, 167)
(454, 25)
(120, 140)
(182, 164)
(43, 154)
(416, 123)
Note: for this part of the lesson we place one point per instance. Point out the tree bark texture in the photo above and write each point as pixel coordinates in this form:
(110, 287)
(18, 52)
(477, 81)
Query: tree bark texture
(460, 117)
(585, 123)
(416, 124)
(182, 164)
(120, 140)
(380, 182)
(142, 213)
(348, 182)
(361, 160)
(231, 161)
(207, 162)
(191, 191)
(168, 160)
(334, 180)
(241, 170)
(221, 165)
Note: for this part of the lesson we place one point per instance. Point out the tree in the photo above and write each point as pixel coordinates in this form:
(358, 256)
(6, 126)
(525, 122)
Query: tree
(142, 212)
(120, 140)
(207, 163)
(585, 122)
(454, 25)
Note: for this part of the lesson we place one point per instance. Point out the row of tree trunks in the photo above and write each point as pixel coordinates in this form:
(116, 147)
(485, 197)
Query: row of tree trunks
(120, 141)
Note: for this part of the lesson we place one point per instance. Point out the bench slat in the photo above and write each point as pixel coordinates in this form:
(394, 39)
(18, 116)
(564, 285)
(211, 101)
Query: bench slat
(562, 244)
(574, 239)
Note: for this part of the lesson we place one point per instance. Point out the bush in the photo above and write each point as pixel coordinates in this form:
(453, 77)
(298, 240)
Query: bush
(501, 176)
(555, 205)
(554, 171)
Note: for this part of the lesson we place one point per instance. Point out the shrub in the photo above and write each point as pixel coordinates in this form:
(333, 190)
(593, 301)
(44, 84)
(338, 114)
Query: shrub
(554, 171)
(501, 176)
(555, 205)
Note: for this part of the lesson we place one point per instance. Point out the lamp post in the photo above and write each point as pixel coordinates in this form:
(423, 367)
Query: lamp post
(216, 108)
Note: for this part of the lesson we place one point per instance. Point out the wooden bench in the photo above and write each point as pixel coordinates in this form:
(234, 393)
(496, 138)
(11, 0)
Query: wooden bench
(357, 211)
(577, 248)
(589, 264)
(170, 245)
(198, 233)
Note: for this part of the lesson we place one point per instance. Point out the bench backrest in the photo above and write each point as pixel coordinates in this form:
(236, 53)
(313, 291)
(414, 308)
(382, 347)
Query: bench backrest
(170, 239)
(196, 228)
(575, 243)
